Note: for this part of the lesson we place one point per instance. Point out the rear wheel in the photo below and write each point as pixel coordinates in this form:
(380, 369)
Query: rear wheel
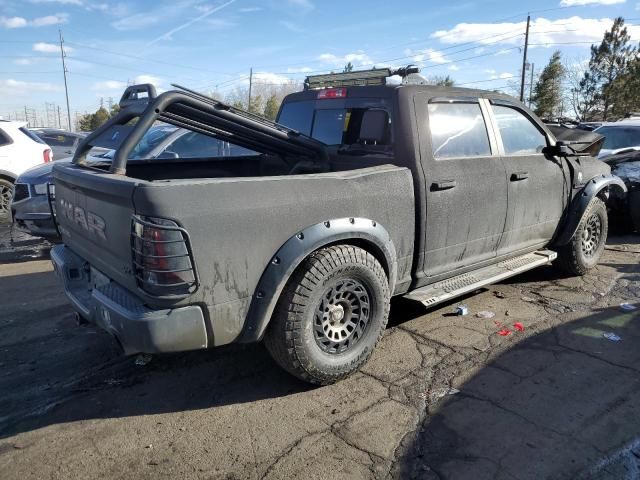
(6, 194)
(584, 250)
(331, 315)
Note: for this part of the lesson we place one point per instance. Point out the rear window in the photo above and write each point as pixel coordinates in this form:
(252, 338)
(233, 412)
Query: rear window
(57, 139)
(31, 135)
(338, 126)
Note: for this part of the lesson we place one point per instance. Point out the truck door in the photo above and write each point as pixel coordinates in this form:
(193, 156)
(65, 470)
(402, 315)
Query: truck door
(466, 191)
(537, 184)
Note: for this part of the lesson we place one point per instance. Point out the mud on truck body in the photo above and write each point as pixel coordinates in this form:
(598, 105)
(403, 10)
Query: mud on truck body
(360, 192)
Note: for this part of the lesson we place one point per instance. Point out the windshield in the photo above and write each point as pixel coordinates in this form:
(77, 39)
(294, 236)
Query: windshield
(338, 126)
(620, 137)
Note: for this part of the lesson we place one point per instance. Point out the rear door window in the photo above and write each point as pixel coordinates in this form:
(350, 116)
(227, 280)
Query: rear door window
(519, 134)
(458, 130)
(196, 145)
(58, 140)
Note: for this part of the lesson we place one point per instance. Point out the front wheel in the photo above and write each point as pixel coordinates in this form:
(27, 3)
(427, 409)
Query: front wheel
(331, 315)
(584, 250)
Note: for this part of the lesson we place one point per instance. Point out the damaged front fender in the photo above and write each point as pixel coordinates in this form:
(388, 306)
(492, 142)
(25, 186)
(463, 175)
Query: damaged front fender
(581, 200)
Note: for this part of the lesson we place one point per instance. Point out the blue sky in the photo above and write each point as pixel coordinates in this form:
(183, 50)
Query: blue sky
(201, 44)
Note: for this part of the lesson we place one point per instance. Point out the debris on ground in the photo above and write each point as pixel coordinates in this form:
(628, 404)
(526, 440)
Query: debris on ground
(627, 307)
(432, 395)
(504, 332)
(462, 310)
(143, 359)
(528, 299)
(611, 336)
(485, 314)
(518, 326)
(498, 294)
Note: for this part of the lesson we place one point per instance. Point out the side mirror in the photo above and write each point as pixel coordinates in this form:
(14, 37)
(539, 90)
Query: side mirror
(168, 154)
(560, 149)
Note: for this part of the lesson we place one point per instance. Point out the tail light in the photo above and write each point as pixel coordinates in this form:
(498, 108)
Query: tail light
(47, 155)
(162, 258)
(328, 93)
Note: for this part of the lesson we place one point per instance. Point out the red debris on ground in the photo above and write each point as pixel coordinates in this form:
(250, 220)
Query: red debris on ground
(518, 326)
(504, 332)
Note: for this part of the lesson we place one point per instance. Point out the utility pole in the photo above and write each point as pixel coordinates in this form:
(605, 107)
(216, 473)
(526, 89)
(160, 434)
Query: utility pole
(26, 117)
(524, 58)
(64, 72)
(250, 85)
(533, 66)
(59, 121)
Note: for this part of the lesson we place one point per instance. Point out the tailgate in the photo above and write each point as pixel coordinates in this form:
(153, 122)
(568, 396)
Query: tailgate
(94, 210)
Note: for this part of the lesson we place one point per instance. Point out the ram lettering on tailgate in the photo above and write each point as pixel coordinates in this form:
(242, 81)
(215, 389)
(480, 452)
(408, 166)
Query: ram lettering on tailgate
(89, 221)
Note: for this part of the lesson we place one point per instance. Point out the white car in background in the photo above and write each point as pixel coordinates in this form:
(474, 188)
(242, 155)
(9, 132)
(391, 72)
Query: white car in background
(20, 149)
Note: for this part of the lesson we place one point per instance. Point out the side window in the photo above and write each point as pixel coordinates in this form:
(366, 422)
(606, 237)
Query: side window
(519, 135)
(196, 145)
(458, 130)
(58, 140)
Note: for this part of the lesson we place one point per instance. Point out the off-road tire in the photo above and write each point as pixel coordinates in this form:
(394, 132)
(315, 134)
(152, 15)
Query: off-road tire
(580, 255)
(6, 193)
(294, 335)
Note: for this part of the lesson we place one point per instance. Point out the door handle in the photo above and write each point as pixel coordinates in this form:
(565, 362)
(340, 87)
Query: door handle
(517, 176)
(443, 185)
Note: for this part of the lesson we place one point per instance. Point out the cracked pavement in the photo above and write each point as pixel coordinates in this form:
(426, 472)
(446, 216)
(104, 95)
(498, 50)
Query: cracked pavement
(443, 397)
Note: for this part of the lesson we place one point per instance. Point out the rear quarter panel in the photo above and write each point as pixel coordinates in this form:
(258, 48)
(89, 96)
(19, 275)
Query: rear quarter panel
(237, 225)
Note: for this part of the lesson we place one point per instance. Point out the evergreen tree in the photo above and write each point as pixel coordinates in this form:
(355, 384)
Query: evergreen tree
(348, 68)
(547, 93)
(609, 62)
(271, 107)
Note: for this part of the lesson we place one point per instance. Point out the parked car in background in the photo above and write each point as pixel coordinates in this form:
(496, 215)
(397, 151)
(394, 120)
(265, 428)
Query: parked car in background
(62, 143)
(589, 126)
(620, 136)
(20, 149)
(30, 207)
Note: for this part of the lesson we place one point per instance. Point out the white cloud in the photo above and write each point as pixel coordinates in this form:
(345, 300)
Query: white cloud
(50, 20)
(426, 55)
(20, 22)
(271, 78)
(49, 48)
(11, 87)
(300, 70)
(501, 76)
(571, 3)
(109, 85)
(357, 59)
(249, 9)
(543, 31)
(13, 22)
(220, 23)
(23, 61)
(490, 71)
(454, 68)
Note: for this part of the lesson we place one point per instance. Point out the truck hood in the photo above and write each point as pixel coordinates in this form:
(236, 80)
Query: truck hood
(606, 152)
(625, 165)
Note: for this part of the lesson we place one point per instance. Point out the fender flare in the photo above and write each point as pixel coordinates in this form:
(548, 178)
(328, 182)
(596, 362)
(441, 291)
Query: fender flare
(9, 175)
(300, 246)
(580, 202)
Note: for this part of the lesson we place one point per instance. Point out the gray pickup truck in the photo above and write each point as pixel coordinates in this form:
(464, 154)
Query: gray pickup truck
(359, 192)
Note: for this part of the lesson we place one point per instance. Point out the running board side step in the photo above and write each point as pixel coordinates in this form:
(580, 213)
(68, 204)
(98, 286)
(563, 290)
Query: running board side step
(468, 282)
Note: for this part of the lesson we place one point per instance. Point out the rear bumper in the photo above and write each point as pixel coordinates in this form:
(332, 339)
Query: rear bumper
(33, 216)
(122, 314)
